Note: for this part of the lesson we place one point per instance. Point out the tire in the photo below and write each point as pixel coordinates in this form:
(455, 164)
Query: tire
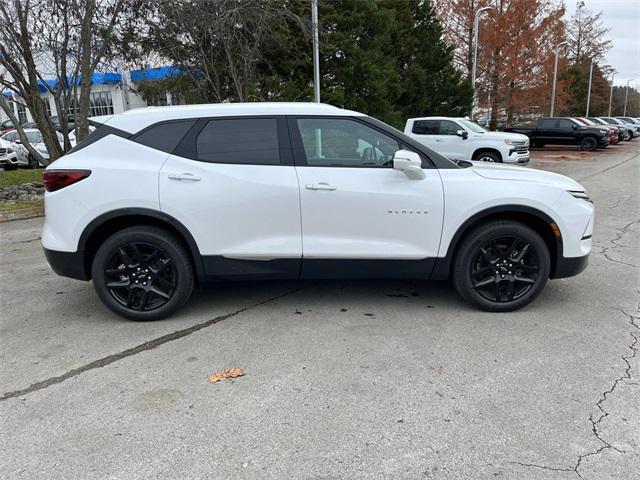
(630, 136)
(588, 144)
(143, 273)
(488, 157)
(496, 272)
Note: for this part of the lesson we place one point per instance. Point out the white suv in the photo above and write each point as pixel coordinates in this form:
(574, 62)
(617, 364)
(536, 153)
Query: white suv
(159, 199)
(462, 139)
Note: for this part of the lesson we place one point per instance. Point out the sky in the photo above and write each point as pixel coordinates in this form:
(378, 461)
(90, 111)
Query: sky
(623, 18)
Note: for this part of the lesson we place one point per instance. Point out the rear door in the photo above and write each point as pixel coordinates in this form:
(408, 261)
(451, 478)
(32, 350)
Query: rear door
(232, 183)
(360, 217)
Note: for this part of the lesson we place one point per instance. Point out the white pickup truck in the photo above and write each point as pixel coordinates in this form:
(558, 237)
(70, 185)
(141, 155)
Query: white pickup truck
(462, 139)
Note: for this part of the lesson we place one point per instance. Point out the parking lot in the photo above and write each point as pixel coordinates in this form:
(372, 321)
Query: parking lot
(385, 379)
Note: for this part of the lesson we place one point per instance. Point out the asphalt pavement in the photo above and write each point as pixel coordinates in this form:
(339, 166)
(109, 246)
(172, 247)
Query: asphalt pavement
(344, 380)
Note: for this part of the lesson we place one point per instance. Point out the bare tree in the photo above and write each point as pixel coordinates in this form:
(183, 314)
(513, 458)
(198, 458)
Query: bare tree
(587, 35)
(218, 44)
(56, 46)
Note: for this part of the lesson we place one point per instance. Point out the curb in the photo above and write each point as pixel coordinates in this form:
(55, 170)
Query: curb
(21, 214)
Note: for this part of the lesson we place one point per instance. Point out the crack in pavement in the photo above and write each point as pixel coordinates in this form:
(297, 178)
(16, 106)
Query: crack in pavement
(149, 345)
(620, 233)
(595, 422)
(626, 375)
(608, 168)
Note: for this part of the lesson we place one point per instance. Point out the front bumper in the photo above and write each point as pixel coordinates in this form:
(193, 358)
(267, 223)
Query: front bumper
(569, 267)
(517, 157)
(603, 142)
(67, 264)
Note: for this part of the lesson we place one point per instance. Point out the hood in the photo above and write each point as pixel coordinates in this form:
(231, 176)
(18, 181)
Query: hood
(5, 143)
(522, 174)
(499, 136)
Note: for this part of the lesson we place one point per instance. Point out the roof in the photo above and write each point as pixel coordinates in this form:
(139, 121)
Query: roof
(96, 79)
(159, 73)
(135, 120)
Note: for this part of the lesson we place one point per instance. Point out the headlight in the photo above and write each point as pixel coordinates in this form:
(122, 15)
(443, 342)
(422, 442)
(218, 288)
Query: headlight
(580, 194)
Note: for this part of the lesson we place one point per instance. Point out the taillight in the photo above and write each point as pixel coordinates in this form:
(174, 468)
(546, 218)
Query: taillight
(56, 179)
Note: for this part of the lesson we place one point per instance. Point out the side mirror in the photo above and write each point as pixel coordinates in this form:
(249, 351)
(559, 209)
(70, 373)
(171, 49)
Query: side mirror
(410, 163)
(462, 133)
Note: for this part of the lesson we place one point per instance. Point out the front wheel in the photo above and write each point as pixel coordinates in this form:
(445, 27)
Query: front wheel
(143, 273)
(588, 144)
(501, 266)
(488, 157)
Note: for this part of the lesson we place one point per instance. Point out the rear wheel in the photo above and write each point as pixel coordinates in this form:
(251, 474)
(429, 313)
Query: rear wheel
(501, 266)
(588, 144)
(143, 273)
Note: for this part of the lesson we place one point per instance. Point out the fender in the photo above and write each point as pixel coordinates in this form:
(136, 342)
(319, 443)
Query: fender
(148, 213)
(443, 264)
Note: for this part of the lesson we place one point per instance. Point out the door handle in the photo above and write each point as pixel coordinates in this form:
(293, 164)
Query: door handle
(184, 177)
(319, 186)
(439, 140)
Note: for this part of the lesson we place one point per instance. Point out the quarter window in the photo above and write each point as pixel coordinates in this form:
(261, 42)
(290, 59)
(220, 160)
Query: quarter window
(330, 142)
(166, 136)
(252, 141)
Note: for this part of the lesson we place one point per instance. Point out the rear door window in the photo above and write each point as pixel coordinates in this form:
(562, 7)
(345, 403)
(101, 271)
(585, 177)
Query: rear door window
(249, 141)
(426, 127)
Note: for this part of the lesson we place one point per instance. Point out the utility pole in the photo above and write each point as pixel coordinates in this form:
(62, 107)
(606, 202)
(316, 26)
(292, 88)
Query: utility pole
(589, 93)
(555, 77)
(316, 53)
(611, 92)
(626, 97)
(476, 22)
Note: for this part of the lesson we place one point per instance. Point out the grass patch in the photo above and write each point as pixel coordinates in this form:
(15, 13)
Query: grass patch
(10, 206)
(17, 177)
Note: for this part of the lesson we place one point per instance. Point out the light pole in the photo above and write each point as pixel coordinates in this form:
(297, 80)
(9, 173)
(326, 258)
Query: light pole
(626, 97)
(611, 91)
(476, 22)
(316, 53)
(555, 76)
(589, 93)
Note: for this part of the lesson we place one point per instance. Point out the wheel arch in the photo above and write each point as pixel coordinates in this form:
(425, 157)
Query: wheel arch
(96, 232)
(478, 151)
(539, 221)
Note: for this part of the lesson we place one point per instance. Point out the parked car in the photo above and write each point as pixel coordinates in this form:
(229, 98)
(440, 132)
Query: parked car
(6, 126)
(35, 139)
(623, 133)
(633, 130)
(462, 139)
(631, 120)
(157, 199)
(8, 156)
(614, 132)
(563, 131)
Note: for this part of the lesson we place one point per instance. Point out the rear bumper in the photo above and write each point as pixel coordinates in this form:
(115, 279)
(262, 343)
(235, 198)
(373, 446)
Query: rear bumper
(67, 264)
(571, 266)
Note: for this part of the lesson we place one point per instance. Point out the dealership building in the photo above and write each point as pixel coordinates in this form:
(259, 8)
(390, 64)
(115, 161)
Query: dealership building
(111, 92)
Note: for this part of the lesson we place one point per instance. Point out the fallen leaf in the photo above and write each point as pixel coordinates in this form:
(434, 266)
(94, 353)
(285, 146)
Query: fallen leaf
(440, 370)
(225, 374)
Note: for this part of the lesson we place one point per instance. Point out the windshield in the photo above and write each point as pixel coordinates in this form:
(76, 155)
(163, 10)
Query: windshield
(473, 126)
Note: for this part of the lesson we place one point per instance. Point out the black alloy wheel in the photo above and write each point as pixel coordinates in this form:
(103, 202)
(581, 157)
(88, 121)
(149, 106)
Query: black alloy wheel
(143, 273)
(501, 266)
(505, 269)
(140, 276)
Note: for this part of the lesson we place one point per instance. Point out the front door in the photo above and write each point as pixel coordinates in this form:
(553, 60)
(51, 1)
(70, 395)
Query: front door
(360, 217)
